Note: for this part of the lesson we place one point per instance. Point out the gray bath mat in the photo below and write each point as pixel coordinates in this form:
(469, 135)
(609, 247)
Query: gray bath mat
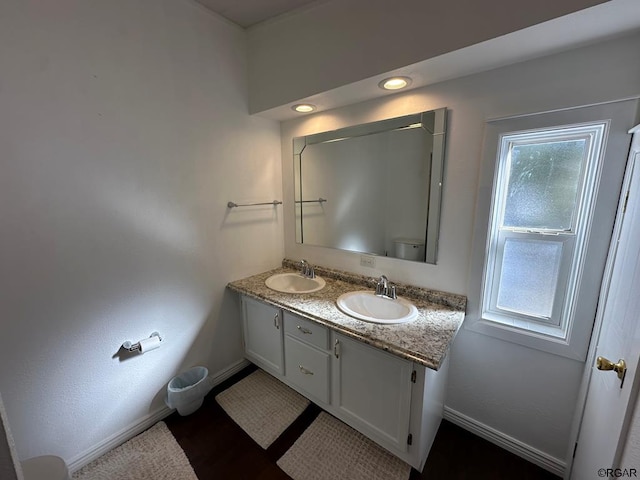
(152, 455)
(263, 406)
(331, 450)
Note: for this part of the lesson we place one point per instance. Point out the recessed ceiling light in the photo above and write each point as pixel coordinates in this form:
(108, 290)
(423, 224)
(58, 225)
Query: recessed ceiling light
(304, 107)
(395, 83)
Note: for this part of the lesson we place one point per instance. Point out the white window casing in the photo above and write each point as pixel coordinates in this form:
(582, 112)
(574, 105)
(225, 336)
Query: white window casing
(535, 280)
(562, 245)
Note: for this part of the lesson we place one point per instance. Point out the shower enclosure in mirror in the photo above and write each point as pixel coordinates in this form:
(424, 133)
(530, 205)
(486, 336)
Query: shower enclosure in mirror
(373, 188)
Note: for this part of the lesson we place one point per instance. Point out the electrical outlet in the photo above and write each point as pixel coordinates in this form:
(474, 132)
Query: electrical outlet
(368, 261)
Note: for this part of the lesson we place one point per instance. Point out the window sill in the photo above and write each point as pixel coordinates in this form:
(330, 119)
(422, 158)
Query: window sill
(547, 338)
(526, 327)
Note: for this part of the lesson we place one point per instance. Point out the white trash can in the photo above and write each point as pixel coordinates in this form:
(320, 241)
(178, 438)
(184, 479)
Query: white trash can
(186, 391)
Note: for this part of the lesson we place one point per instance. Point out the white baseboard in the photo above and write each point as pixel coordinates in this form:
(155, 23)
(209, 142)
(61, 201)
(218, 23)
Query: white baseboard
(117, 439)
(143, 424)
(533, 455)
(219, 377)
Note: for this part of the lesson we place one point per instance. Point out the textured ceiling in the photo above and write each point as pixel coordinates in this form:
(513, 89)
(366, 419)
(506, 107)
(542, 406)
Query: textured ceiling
(249, 12)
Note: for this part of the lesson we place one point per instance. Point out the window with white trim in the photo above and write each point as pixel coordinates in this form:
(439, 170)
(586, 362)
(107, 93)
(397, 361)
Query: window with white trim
(548, 193)
(544, 187)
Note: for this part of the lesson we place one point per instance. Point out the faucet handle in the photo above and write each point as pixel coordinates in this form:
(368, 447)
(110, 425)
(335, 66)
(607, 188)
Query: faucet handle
(381, 286)
(307, 269)
(385, 289)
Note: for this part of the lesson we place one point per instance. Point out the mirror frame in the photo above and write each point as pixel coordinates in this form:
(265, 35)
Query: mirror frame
(436, 177)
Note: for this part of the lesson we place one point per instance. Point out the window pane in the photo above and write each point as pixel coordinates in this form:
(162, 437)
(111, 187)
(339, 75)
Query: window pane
(543, 184)
(529, 276)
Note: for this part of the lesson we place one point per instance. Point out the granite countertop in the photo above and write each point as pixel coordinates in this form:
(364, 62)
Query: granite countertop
(425, 340)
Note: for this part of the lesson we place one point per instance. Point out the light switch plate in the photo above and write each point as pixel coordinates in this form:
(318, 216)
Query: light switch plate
(368, 261)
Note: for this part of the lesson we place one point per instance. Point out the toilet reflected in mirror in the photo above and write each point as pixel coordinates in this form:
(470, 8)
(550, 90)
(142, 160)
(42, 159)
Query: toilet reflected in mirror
(409, 249)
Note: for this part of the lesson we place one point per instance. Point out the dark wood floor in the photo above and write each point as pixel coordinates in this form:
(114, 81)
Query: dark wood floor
(219, 449)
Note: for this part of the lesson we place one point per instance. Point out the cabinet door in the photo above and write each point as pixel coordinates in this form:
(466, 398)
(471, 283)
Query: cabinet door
(263, 335)
(372, 388)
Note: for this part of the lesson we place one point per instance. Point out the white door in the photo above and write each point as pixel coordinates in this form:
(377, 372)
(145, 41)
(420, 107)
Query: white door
(610, 400)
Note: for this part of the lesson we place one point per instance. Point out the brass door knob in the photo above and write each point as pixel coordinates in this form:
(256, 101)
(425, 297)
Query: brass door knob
(604, 364)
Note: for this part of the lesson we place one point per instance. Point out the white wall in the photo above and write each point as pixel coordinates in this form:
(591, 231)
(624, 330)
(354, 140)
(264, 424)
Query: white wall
(123, 133)
(321, 48)
(525, 394)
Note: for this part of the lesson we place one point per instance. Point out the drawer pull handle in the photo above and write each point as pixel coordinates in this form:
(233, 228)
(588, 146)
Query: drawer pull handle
(276, 321)
(306, 331)
(336, 349)
(305, 371)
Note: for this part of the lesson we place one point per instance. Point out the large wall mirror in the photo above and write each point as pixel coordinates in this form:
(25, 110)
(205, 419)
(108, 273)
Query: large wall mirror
(374, 188)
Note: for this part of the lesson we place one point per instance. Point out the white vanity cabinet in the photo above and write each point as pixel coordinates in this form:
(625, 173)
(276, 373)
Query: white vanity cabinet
(263, 335)
(373, 389)
(395, 402)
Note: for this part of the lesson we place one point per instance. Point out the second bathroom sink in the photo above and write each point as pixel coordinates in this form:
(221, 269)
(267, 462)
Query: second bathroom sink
(291, 282)
(367, 306)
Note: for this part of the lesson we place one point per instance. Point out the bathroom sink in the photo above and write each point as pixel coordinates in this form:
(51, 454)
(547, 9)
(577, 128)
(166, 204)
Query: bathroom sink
(293, 282)
(367, 306)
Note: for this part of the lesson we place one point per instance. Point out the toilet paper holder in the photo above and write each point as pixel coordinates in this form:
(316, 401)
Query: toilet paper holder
(135, 347)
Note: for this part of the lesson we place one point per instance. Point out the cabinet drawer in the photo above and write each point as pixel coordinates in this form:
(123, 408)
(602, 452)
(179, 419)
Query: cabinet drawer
(307, 368)
(306, 330)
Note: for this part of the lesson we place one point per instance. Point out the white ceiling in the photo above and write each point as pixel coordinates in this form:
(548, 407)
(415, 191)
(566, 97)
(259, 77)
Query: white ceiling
(249, 12)
(604, 21)
(591, 25)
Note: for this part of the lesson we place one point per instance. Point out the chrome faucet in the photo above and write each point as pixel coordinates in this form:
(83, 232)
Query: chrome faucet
(382, 286)
(385, 289)
(307, 269)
